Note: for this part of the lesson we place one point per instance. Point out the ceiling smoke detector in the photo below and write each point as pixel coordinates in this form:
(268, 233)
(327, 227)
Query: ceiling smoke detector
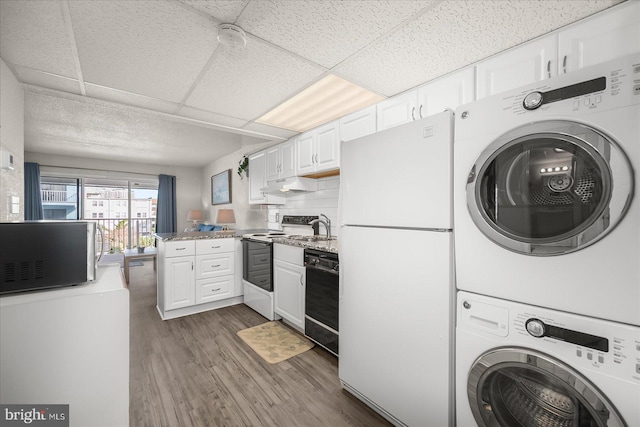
(231, 35)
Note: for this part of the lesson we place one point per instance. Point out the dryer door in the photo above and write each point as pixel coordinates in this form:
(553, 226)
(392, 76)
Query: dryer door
(549, 188)
(515, 387)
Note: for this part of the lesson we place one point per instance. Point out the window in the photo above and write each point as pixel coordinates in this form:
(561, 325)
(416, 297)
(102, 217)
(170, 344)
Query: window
(109, 202)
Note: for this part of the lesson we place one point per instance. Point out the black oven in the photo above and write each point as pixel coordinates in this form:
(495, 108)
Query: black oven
(321, 298)
(256, 263)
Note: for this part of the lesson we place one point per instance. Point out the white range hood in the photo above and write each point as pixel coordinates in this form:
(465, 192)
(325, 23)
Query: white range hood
(292, 184)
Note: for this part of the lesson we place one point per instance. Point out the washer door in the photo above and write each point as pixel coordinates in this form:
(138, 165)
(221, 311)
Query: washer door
(549, 188)
(516, 387)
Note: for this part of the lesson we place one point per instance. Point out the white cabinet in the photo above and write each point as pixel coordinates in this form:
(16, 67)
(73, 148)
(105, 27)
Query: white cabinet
(358, 124)
(600, 38)
(318, 150)
(525, 64)
(196, 275)
(258, 181)
(397, 110)
(449, 91)
(289, 283)
(178, 271)
(281, 161)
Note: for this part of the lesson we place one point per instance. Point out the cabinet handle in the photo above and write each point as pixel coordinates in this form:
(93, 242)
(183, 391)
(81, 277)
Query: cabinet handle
(301, 284)
(215, 247)
(215, 290)
(263, 259)
(192, 265)
(413, 110)
(215, 266)
(180, 249)
(564, 64)
(420, 111)
(549, 68)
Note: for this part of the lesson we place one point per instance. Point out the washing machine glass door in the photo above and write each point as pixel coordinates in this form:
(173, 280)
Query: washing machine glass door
(515, 387)
(549, 188)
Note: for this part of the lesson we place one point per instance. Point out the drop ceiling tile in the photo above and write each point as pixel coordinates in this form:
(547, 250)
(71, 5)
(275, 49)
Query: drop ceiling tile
(451, 36)
(153, 48)
(132, 99)
(223, 10)
(52, 81)
(247, 82)
(83, 127)
(326, 32)
(43, 44)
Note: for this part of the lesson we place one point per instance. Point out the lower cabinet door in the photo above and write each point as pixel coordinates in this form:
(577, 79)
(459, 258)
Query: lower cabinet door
(288, 290)
(180, 280)
(213, 289)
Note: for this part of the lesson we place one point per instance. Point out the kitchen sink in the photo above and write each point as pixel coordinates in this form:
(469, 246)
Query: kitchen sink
(311, 238)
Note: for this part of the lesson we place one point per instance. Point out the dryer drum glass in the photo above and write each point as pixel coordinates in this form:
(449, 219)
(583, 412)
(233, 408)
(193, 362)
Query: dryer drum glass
(543, 188)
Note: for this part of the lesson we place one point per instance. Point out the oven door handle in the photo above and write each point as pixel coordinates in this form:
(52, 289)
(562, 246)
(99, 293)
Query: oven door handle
(323, 269)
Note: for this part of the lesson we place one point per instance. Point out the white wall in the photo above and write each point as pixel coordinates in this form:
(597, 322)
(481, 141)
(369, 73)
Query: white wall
(12, 140)
(188, 183)
(247, 216)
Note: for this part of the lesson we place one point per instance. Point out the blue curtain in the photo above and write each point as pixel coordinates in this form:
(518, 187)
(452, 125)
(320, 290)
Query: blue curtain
(166, 217)
(32, 197)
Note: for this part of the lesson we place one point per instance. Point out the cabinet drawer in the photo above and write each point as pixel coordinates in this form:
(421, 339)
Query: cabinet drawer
(179, 248)
(213, 246)
(213, 289)
(214, 265)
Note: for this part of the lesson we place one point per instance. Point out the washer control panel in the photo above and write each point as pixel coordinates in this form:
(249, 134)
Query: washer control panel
(616, 82)
(581, 341)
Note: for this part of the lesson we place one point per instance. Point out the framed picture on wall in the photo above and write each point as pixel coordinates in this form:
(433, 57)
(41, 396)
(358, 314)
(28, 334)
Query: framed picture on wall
(221, 188)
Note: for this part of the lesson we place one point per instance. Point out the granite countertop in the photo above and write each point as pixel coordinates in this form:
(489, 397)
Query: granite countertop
(200, 235)
(321, 245)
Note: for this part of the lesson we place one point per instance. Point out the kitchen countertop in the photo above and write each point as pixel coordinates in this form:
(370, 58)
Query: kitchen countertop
(201, 235)
(321, 245)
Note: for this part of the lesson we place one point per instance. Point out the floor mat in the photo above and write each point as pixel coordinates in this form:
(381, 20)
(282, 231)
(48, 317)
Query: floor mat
(274, 342)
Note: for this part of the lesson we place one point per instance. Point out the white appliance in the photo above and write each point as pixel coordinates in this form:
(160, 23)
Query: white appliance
(545, 194)
(520, 365)
(396, 291)
(257, 262)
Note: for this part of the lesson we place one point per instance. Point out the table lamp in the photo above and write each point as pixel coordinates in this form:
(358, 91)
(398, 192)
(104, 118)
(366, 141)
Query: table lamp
(225, 217)
(195, 216)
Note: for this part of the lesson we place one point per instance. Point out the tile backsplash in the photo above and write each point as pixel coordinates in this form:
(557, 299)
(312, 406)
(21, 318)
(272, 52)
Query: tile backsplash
(322, 201)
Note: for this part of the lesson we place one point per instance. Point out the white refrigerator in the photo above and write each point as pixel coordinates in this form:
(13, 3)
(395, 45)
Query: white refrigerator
(396, 272)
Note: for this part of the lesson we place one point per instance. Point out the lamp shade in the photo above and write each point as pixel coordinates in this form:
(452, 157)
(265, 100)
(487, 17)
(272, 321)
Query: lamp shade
(194, 216)
(225, 216)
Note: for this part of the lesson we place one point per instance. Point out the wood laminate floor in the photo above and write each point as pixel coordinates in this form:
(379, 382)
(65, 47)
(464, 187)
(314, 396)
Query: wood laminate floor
(195, 371)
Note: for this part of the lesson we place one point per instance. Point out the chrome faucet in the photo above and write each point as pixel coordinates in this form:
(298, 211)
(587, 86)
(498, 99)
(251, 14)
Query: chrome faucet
(326, 222)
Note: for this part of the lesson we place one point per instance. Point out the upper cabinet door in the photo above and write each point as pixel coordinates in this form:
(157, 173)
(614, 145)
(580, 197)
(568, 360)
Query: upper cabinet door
(257, 175)
(288, 159)
(305, 153)
(447, 92)
(525, 64)
(328, 147)
(273, 161)
(600, 38)
(397, 110)
(358, 124)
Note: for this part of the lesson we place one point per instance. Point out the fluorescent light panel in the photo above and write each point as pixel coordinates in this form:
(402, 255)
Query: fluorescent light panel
(328, 99)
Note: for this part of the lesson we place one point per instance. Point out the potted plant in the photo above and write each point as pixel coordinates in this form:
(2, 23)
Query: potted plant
(243, 166)
(144, 242)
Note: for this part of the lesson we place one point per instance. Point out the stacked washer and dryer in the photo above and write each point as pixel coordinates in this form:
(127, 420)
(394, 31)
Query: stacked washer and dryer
(547, 247)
